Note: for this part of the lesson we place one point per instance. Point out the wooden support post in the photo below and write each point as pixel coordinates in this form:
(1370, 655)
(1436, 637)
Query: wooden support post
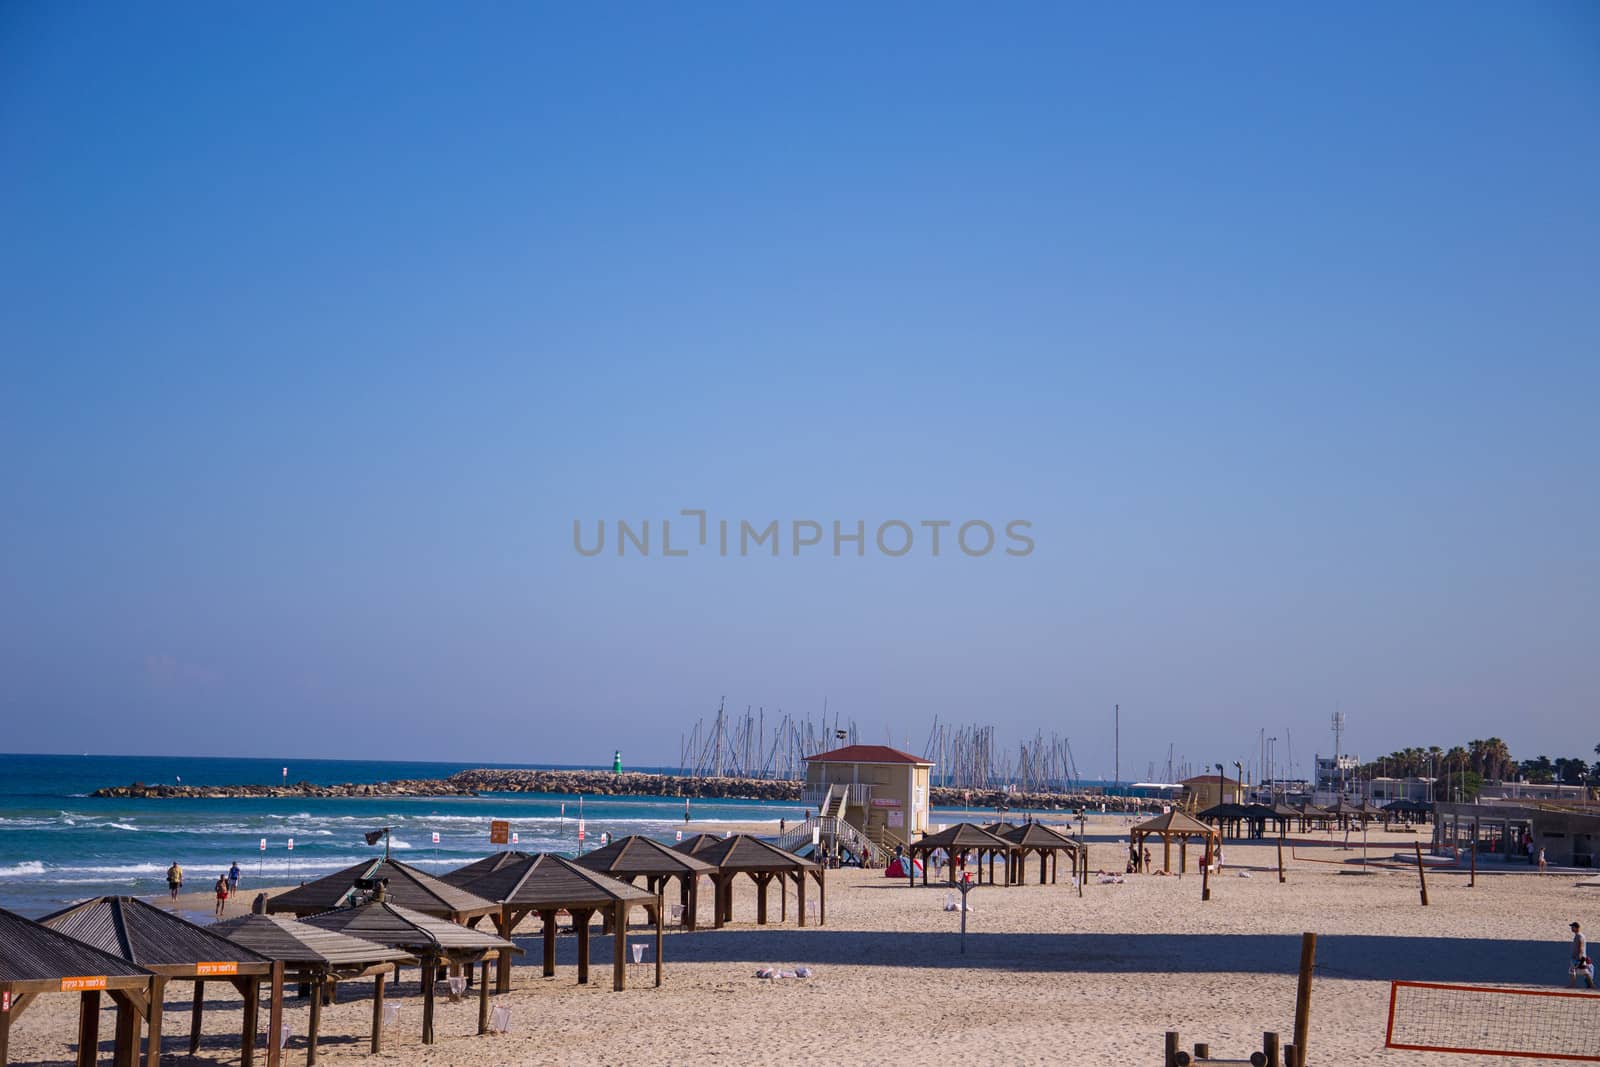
(580, 923)
(1474, 879)
(377, 1013)
(5, 1030)
(197, 1012)
(1280, 859)
(661, 900)
(504, 922)
(250, 989)
(430, 969)
(275, 1016)
(1173, 1041)
(1422, 877)
(783, 897)
(619, 946)
(88, 1028)
(483, 998)
(822, 895)
(158, 991)
(762, 882)
(126, 1051)
(549, 918)
(314, 1025)
(1269, 1048)
(1202, 1051)
(1205, 877)
(1302, 998)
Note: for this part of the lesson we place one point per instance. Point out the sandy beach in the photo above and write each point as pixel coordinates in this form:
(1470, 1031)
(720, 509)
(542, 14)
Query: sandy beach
(1047, 977)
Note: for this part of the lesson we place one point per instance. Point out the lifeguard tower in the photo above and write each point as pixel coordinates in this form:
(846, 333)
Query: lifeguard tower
(871, 797)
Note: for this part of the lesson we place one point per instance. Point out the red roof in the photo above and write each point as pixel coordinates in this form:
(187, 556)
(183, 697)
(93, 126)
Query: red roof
(867, 754)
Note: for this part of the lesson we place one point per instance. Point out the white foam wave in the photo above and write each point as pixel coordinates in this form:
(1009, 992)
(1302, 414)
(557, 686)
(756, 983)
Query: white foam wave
(22, 870)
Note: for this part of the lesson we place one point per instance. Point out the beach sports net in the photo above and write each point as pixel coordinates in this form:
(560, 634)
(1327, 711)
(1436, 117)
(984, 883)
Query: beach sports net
(1537, 1023)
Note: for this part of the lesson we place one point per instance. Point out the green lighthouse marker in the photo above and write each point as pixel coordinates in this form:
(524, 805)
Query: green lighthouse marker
(616, 762)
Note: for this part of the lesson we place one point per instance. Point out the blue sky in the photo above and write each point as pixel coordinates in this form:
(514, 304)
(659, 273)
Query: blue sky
(320, 329)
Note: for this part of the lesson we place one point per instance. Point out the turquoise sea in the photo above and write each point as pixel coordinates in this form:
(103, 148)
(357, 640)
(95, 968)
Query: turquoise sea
(58, 845)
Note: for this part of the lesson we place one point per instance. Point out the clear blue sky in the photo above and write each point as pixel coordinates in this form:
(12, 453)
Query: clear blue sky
(321, 326)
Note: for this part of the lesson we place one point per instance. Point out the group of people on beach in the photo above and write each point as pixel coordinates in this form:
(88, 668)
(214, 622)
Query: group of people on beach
(227, 884)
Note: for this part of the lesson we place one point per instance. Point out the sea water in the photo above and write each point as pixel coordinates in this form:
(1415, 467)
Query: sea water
(58, 844)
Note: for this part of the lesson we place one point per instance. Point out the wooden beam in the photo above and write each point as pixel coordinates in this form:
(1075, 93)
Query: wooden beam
(275, 1014)
(430, 970)
(503, 923)
(126, 1052)
(619, 946)
(197, 1010)
(88, 1028)
(483, 997)
(158, 992)
(314, 1024)
(549, 918)
(5, 1028)
(661, 900)
(580, 925)
(377, 1014)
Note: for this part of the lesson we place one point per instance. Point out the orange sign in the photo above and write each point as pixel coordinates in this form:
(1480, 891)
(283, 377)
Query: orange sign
(220, 967)
(88, 981)
(499, 832)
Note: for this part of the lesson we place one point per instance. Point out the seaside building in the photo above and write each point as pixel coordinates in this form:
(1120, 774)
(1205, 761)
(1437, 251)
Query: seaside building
(1208, 790)
(880, 791)
(1506, 829)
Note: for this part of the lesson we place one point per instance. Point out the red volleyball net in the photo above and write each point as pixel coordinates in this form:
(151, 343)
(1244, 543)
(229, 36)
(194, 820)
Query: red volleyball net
(1542, 1024)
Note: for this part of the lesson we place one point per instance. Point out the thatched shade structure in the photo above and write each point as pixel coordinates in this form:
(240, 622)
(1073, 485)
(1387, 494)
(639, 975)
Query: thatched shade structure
(430, 940)
(637, 856)
(743, 854)
(318, 957)
(176, 949)
(1174, 824)
(1227, 816)
(1310, 813)
(959, 841)
(35, 960)
(1039, 839)
(1343, 812)
(522, 883)
(404, 885)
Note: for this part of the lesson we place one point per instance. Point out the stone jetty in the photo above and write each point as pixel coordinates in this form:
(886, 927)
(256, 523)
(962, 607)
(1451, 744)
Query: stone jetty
(490, 781)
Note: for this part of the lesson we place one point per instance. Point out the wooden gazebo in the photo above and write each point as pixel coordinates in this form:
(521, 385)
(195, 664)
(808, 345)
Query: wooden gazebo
(316, 957)
(36, 960)
(1310, 813)
(1174, 824)
(430, 940)
(402, 884)
(174, 949)
(637, 856)
(1039, 839)
(1229, 818)
(744, 854)
(963, 839)
(523, 883)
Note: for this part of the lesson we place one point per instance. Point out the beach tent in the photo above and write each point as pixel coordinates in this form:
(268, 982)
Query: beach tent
(1037, 838)
(174, 949)
(1170, 825)
(36, 960)
(403, 884)
(430, 940)
(897, 867)
(744, 854)
(959, 841)
(523, 883)
(316, 957)
(636, 856)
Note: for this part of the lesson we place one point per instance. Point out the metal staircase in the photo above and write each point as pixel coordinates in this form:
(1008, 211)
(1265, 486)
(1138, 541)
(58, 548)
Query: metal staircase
(829, 821)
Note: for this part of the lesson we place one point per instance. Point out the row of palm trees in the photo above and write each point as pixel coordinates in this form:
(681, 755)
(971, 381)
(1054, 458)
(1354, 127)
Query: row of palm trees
(1486, 758)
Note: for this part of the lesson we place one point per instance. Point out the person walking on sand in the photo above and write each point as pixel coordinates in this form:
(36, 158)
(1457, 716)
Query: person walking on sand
(222, 893)
(233, 878)
(174, 880)
(1581, 963)
(1542, 862)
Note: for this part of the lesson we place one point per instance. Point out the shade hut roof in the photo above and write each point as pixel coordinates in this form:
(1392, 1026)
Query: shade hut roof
(742, 852)
(543, 880)
(1226, 811)
(408, 887)
(1407, 804)
(1033, 835)
(1282, 810)
(387, 923)
(145, 935)
(279, 937)
(32, 952)
(636, 854)
(1176, 822)
(1309, 810)
(963, 837)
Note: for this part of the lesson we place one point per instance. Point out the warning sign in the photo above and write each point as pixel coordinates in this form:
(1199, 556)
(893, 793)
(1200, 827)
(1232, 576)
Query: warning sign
(203, 970)
(83, 982)
(499, 832)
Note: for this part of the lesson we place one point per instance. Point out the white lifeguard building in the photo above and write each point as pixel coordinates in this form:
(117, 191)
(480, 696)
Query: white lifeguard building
(879, 791)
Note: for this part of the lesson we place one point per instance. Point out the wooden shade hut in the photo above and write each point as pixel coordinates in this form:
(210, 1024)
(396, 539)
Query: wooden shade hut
(430, 940)
(1310, 813)
(743, 854)
(1174, 824)
(1039, 839)
(1227, 817)
(36, 960)
(316, 957)
(1343, 812)
(174, 949)
(962, 840)
(637, 856)
(523, 883)
(402, 883)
